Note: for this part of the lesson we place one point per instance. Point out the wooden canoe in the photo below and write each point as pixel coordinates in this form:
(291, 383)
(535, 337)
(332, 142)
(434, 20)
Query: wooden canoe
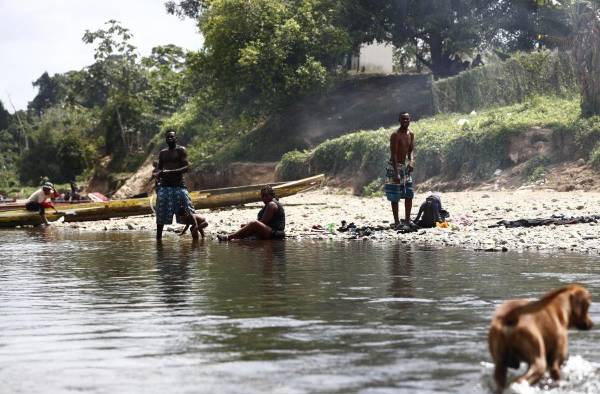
(60, 205)
(212, 198)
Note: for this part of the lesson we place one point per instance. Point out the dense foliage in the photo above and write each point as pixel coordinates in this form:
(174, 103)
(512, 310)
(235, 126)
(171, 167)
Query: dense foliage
(105, 113)
(522, 76)
(451, 145)
(261, 56)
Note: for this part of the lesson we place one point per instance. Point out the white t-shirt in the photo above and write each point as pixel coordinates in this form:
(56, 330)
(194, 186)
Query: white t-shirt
(39, 196)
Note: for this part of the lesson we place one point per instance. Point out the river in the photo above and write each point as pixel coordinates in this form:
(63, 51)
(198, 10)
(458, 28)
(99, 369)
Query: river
(118, 313)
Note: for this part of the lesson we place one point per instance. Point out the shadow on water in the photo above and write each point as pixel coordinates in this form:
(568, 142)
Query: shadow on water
(401, 273)
(173, 273)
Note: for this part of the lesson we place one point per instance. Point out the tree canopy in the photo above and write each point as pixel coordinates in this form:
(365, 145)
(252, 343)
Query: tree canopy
(438, 30)
(259, 56)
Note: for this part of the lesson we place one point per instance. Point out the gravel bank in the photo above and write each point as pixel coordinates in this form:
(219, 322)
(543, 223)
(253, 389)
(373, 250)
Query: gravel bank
(471, 214)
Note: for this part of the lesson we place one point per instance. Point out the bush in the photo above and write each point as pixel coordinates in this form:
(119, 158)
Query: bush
(595, 157)
(520, 77)
(535, 168)
(293, 165)
(58, 147)
(374, 189)
(450, 145)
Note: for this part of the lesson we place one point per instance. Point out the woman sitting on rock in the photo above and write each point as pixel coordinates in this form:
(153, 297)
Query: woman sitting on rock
(270, 223)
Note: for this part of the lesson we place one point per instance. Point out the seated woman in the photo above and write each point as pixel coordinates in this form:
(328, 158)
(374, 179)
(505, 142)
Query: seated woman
(270, 223)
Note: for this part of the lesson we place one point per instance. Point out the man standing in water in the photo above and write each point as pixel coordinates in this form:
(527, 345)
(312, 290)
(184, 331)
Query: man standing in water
(171, 194)
(401, 166)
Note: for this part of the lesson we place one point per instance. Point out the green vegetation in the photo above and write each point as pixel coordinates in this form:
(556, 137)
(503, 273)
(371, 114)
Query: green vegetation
(450, 145)
(595, 157)
(432, 31)
(104, 115)
(522, 76)
(535, 168)
(262, 56)
(374, 189)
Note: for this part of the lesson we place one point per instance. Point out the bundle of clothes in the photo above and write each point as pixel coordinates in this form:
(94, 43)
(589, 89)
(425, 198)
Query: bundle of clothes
(431, 214)
(557, 220)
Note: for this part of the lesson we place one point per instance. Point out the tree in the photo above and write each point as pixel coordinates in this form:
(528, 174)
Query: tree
(442, 29)
(124, 80)
(51, 91)
(437, 31)
(586, 52)
(258, 55)
(9, 149)
(167, 84)
(57, 148)
(186, 8)
(4, 117)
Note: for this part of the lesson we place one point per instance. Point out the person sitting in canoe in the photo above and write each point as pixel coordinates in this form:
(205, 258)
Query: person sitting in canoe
(38, 201)
(270, 223)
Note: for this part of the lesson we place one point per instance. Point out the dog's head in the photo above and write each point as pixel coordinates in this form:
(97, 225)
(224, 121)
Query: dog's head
(580, 300)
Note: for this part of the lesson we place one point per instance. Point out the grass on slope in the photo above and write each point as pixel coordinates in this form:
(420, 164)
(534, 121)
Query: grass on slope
(450, 144)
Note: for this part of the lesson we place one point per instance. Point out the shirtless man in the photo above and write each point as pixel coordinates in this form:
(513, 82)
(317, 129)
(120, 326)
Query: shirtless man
(172, 194)
(401, 151)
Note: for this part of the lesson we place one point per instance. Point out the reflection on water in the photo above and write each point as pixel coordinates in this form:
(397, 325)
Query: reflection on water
(117, 312)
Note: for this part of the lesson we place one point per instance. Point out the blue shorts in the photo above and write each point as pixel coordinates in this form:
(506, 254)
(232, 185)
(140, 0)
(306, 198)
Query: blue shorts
(171, 201)
(396, 191)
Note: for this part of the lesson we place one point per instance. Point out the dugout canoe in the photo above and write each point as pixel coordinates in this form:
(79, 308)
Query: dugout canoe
(60, 205)
(202, 199)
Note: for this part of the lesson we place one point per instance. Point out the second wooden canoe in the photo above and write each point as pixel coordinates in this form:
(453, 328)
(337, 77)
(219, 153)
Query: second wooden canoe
(202, 199)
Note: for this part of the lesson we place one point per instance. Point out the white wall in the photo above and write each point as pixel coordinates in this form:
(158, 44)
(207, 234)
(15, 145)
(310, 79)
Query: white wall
(374, 59)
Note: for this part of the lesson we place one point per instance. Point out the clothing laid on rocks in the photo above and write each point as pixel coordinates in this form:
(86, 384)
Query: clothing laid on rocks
(555, 219)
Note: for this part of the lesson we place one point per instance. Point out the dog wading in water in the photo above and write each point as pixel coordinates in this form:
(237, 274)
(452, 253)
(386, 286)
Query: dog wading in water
(536, 332)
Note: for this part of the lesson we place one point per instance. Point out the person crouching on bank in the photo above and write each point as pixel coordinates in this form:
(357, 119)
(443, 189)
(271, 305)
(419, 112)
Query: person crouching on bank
(38, 201)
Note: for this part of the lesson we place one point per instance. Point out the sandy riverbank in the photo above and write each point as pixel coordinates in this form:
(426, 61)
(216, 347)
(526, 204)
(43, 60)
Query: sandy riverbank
(483, 208)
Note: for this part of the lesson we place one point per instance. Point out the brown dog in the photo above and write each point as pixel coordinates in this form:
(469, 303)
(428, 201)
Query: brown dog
(536, 332)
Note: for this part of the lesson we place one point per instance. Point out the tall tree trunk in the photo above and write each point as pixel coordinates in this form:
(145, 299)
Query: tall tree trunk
(587, 60)
(437, 54)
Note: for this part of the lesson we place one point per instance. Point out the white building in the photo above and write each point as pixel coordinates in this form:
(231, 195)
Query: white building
(374, 58)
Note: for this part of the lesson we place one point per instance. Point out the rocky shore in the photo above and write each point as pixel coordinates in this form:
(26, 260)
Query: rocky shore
(317, 215)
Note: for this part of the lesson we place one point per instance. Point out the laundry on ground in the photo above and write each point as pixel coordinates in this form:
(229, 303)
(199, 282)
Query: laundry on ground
(557, 220)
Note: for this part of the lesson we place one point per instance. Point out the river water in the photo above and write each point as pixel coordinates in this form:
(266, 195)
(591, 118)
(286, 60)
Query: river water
(117, 313)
